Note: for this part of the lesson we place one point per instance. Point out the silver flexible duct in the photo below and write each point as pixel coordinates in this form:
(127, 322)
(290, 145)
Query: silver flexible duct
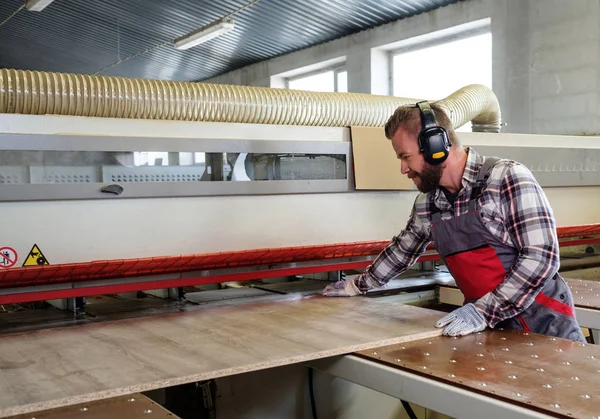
(38, 93)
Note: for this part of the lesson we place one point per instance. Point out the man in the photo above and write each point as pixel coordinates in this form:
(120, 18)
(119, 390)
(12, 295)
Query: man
(491, 223)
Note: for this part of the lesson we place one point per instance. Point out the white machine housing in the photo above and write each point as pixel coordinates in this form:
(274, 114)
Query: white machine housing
(71, 220)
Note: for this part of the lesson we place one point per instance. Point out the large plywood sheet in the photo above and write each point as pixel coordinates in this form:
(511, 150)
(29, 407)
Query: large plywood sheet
(65, 366)
(375, 164)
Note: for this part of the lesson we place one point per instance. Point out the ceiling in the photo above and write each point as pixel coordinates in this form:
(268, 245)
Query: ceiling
(85, 36)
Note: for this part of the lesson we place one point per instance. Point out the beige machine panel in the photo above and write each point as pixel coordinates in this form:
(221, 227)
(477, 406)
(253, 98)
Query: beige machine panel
(375, 164)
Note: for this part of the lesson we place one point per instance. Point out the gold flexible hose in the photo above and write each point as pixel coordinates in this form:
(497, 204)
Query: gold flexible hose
(38, 93)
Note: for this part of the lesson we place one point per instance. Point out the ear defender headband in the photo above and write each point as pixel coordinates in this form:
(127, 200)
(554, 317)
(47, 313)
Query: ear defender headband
(433, 139)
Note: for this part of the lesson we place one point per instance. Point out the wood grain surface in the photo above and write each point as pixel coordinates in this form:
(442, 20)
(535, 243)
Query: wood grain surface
(586, 293)
(556, 376)
(58, 367)
(133, 406)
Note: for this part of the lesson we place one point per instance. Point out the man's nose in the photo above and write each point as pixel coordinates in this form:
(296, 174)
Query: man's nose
(404, 167)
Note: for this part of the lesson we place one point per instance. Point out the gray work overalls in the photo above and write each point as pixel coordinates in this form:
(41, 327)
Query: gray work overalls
(479, 261)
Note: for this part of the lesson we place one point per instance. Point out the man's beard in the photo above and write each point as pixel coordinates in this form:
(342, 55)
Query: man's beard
(428, 178)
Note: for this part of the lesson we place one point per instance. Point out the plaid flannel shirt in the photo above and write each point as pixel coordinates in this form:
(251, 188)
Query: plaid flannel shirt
(514, 208)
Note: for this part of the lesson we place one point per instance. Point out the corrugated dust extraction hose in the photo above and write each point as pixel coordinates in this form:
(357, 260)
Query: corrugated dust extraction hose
(39, 93)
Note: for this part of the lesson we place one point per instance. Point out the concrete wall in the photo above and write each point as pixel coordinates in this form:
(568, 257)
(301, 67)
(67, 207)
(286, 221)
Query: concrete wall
(564, 42)
(545, 60)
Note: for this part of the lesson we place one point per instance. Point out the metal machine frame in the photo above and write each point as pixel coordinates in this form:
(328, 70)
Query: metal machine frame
(153, 269)
(426, 392)
(208, 141)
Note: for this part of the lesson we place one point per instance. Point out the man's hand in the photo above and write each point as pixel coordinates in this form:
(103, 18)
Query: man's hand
(341, 289)
(462, 321)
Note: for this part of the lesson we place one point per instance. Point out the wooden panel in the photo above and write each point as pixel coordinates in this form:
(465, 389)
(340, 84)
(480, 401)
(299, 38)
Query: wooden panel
(135, 406)
(557, 376)
(65, 366)
(375, 162)
(586, 293)
(591, 273)
(450, 294)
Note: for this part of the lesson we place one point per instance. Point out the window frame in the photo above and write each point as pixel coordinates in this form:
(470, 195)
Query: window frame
(338, 68)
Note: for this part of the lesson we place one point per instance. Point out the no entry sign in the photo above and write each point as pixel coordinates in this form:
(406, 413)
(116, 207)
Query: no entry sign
(8, 257)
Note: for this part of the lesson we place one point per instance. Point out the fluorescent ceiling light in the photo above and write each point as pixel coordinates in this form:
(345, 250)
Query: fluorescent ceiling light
(37, 5)
(204, 34)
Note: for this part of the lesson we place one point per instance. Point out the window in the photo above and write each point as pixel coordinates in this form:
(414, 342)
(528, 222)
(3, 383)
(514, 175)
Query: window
(51, 167)
(435, 71)
(150, 158)
(332, 80)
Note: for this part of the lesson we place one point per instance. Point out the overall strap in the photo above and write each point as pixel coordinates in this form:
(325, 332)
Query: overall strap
(436, 215)
(484, 173)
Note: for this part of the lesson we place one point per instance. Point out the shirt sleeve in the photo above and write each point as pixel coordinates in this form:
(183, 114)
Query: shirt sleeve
(529, 221)
(399, 255)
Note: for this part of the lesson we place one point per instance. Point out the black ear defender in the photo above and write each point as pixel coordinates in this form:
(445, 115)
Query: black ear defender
(433, 139)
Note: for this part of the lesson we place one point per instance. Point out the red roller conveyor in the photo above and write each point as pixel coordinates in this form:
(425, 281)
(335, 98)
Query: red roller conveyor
(124, 268)
(127, 268)
(578, 231)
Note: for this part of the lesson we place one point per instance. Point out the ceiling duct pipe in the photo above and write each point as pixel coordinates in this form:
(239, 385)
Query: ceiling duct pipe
(39, 93)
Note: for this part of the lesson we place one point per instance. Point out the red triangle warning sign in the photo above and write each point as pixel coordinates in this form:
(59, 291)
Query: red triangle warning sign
(35, 257)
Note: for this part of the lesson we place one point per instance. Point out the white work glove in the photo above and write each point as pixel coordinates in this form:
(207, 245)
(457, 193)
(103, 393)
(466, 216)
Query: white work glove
(462, 321)
(345, 288)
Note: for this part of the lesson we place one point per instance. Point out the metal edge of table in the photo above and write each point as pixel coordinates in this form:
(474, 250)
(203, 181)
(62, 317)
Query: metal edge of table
(426, 392)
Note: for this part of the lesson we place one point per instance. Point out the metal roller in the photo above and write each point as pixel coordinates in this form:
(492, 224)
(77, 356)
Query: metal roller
(35, 92)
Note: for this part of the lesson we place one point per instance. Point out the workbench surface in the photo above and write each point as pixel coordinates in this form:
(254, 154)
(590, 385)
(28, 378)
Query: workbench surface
(555, 376)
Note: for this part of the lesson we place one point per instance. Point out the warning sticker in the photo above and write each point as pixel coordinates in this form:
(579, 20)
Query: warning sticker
(35, 257)
(8, 257)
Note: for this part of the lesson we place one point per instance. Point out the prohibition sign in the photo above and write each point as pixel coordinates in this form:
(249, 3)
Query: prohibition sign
(8, 257)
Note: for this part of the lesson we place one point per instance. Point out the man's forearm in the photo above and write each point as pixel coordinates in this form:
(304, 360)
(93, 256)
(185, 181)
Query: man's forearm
(396, 258)
(521, 286)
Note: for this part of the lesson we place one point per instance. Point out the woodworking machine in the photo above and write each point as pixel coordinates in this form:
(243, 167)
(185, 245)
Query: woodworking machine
(95, 204)
(113, 185)
(78, 191)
